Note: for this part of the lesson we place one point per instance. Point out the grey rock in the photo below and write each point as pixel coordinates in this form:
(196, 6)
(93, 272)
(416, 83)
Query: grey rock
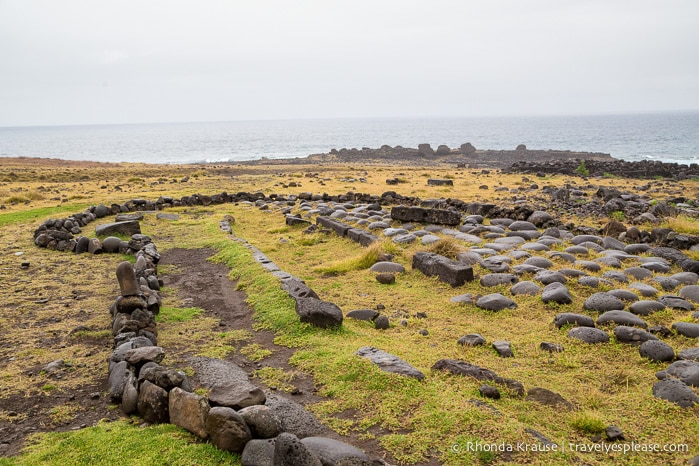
(385, 278)
(189, 411)
(624, 295)
(589, 281)
(616, 276)
(153, 403)
(676, 302)
(294, 418)
(258, 453)
(614, 433)
(602, 302)
(644, 308)
(129, 399)
(472, 339)
(551, 347)
(690, 292)
(656, 267)
(319, 313)
(588, 265)
(548, 276)
(657, 351)
(262, 421)
(626, 334)
(290, 451)
(556, 293)
(465, 369)
(111, 244)
(363, 314)
(688, 329)
(391, 267)
(566, 318)
(448, 271)
(381, 323)
(525, 288)
(388, 362)
(488, 391)
(228, 384)
(405, 239)
(428, 240)
(522, 225)
(127, 228)
(496, 279)
(118, 376)
(638, 273)
(621, 318)
(144, 354)
(686, 278)
(495, 302)
(503, 348)
(227, 429)
(684, 370)
(588, 334)
(666, 283)
(468, 298)
(675, 391)
(127, 279)
(331, 451)
(691, 354)
(538, 261)
(644, 290)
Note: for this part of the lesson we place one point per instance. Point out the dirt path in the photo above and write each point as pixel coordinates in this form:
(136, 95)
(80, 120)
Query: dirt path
(206, 285)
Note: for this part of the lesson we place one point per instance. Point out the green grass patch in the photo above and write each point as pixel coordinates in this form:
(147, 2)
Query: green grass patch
(276, 378)
(255, 352)
(588, 422)
(177, 314)
(363, 261)
(32, 215)
(122, 443)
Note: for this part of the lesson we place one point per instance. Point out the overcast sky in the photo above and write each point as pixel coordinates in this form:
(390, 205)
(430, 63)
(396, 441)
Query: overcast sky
(101, 61)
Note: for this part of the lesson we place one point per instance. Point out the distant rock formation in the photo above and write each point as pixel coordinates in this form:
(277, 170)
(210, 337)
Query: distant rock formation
(466, 156)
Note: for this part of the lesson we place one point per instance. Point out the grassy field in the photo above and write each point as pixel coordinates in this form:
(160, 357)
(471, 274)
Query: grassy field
(414, 421)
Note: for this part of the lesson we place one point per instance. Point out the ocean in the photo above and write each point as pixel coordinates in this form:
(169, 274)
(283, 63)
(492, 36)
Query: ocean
(669, 137)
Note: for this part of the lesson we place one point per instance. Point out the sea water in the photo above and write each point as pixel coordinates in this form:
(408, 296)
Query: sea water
(669, 137)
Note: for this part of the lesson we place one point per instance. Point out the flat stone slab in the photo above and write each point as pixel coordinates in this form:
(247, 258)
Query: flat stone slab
(448, 271)
(228, 384)
(127, 228)
(388, 362)
(465, 369)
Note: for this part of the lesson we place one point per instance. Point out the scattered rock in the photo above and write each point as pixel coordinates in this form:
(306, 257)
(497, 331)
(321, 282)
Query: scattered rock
(472, 339)
(388, 362)
(675, 391)
(657, 351)
(488, 391)
(548, 398)
(503, 349)
(588, 335)
(495, 302)
(227, 429)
